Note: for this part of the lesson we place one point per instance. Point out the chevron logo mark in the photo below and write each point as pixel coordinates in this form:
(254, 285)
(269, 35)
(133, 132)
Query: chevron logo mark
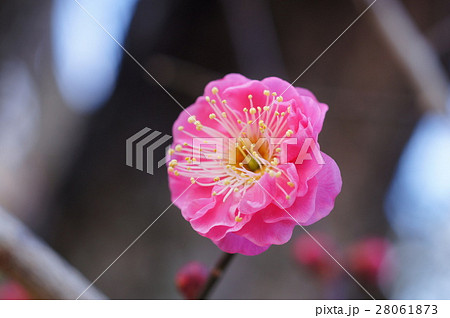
(148, 141)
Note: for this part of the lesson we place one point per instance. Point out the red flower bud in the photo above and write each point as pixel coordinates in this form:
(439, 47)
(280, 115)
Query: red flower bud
(308, 253)
(191, 278)
(366, 258)
(10, 290)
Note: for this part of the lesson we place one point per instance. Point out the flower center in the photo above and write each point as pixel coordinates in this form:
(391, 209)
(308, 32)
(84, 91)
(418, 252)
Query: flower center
(249, 148)
(253, 165)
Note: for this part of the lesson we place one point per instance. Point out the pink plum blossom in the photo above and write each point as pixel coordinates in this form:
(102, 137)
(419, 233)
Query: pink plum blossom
(239, 169)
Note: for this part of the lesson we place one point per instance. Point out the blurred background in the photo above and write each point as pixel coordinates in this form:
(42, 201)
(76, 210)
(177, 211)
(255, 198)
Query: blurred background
(70, 97)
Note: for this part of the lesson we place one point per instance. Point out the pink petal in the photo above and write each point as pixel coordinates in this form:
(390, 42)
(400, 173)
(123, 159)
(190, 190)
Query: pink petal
(233, 243)
(237, 96)
(261, 233)
(329, 183)
(300, 211)
(229, 80)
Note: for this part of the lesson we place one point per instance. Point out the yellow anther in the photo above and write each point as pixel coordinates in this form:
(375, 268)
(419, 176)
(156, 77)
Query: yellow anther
(283, 113)
(278, 174)
(289, 133)
(277, 113)
(236, 189)
(224, 115)
(170, 169)
(214, 90)
(207, 99)
(272, 173)
(245, 110)
(178, 148)
(192, 180)
(279, 99)
(250, 96)
(291, 184)
(258, 108)
(214, 193)
(176, 173)
(239, 121)
(274, 94)
(253, 110)
(238, 219)
(180, 128)
(216, 179)
(266, 92)
(199, 127)
(213, 101)
(191, 119)
(171, 151)
(212, 116)
(173, 163)
(249, 122)
(266, 108)
(288, 197)
(278, 150)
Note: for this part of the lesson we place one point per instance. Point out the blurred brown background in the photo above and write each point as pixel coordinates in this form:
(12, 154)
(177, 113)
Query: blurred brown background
(63, 172)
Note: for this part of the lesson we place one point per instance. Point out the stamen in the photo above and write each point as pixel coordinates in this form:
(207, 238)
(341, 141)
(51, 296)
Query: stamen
(248, 127)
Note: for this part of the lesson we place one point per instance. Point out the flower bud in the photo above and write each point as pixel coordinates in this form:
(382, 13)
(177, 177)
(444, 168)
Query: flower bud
(191, 279)
(308, 253)
(366, 258)
(10, 290)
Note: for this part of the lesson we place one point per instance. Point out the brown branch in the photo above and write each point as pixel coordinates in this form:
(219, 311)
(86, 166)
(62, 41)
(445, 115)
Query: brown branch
(415, 55)
(216, 274)
(31, 262)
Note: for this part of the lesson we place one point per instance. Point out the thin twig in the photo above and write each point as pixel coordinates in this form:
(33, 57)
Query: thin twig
(28, 260)
(216, 274)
